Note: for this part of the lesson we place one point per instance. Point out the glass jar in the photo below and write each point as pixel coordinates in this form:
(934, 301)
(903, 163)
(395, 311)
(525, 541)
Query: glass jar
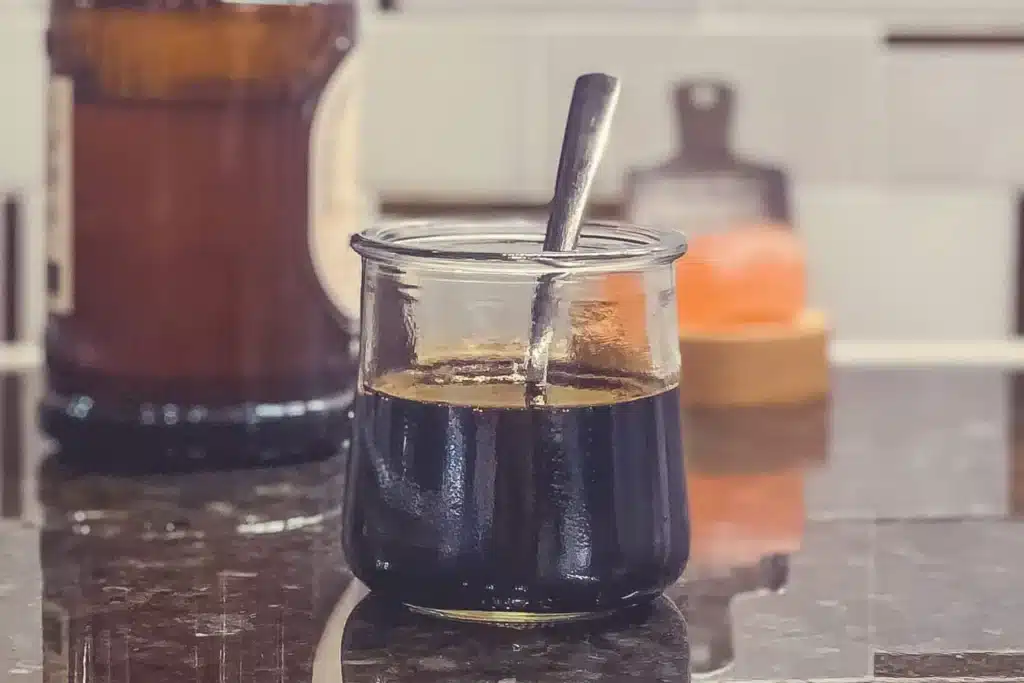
(464, 502)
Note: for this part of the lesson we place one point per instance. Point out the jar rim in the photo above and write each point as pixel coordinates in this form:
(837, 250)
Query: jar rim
(605, 246)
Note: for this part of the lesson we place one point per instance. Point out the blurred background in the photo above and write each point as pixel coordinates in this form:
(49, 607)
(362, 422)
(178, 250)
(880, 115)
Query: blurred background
(889, 133)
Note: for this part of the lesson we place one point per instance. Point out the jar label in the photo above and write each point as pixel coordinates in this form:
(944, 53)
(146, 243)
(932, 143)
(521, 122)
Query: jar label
(59, 195)
(339, 206)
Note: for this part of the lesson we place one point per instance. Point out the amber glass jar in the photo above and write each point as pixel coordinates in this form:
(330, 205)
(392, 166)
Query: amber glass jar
(200, 286)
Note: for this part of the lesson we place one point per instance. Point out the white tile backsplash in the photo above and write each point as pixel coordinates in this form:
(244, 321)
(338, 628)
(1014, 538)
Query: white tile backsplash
(911, 262)
(22, 138)
(956, 116)
(897, 15)
(22, 95)
(807, 102)
(452, 111)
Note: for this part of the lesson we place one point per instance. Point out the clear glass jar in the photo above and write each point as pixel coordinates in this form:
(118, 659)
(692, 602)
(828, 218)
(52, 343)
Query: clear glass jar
(464, 502)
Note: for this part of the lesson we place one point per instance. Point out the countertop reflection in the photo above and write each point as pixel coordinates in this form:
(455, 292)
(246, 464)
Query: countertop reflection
(871, 535)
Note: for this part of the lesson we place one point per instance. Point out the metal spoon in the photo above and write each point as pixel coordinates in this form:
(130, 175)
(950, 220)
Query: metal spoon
(586, 135)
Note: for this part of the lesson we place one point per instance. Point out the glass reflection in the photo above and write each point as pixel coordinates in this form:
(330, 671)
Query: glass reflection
(384, 642)
(202, 577)
(746, 468)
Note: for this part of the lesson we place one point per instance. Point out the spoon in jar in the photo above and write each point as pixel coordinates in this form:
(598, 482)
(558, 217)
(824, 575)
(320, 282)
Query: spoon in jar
(586, 135)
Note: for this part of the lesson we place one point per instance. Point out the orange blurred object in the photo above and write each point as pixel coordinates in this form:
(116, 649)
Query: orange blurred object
(748, 275)
(738, 519)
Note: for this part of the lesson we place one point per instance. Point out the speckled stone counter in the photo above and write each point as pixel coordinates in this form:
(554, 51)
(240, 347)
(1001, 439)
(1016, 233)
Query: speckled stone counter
(872, 536)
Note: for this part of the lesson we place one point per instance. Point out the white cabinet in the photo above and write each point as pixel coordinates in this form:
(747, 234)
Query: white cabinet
(23, 75)
(474, 108)
(544, 5)
(806, 100)
(878, 7)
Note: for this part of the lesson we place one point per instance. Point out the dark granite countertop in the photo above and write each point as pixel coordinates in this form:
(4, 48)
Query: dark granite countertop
(873, 537)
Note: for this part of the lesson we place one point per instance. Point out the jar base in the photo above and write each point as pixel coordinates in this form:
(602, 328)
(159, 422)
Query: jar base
(97, 436)
(520, 620)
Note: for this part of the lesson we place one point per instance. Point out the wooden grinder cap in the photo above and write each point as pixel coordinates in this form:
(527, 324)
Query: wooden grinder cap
(756, 365)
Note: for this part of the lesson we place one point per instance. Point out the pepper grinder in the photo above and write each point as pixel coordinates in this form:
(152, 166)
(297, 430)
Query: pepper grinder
(706, 187)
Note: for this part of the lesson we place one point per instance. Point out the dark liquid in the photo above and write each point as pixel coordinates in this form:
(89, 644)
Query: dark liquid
(195, 297)
(462, 499)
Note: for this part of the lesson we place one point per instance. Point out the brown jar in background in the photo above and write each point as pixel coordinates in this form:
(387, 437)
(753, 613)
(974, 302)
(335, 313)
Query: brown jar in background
(202, 292)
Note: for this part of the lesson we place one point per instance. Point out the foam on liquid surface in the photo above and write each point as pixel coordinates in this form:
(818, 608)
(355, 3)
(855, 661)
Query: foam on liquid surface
(457, 384)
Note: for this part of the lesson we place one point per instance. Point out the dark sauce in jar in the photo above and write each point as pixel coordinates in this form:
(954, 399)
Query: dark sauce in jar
(464, 502)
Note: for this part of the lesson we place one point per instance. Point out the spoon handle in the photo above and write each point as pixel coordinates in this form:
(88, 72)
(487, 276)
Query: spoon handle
(586, 136)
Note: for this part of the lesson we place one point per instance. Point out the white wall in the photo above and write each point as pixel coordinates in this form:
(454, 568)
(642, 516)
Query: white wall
(904, 163)
(22, 133)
